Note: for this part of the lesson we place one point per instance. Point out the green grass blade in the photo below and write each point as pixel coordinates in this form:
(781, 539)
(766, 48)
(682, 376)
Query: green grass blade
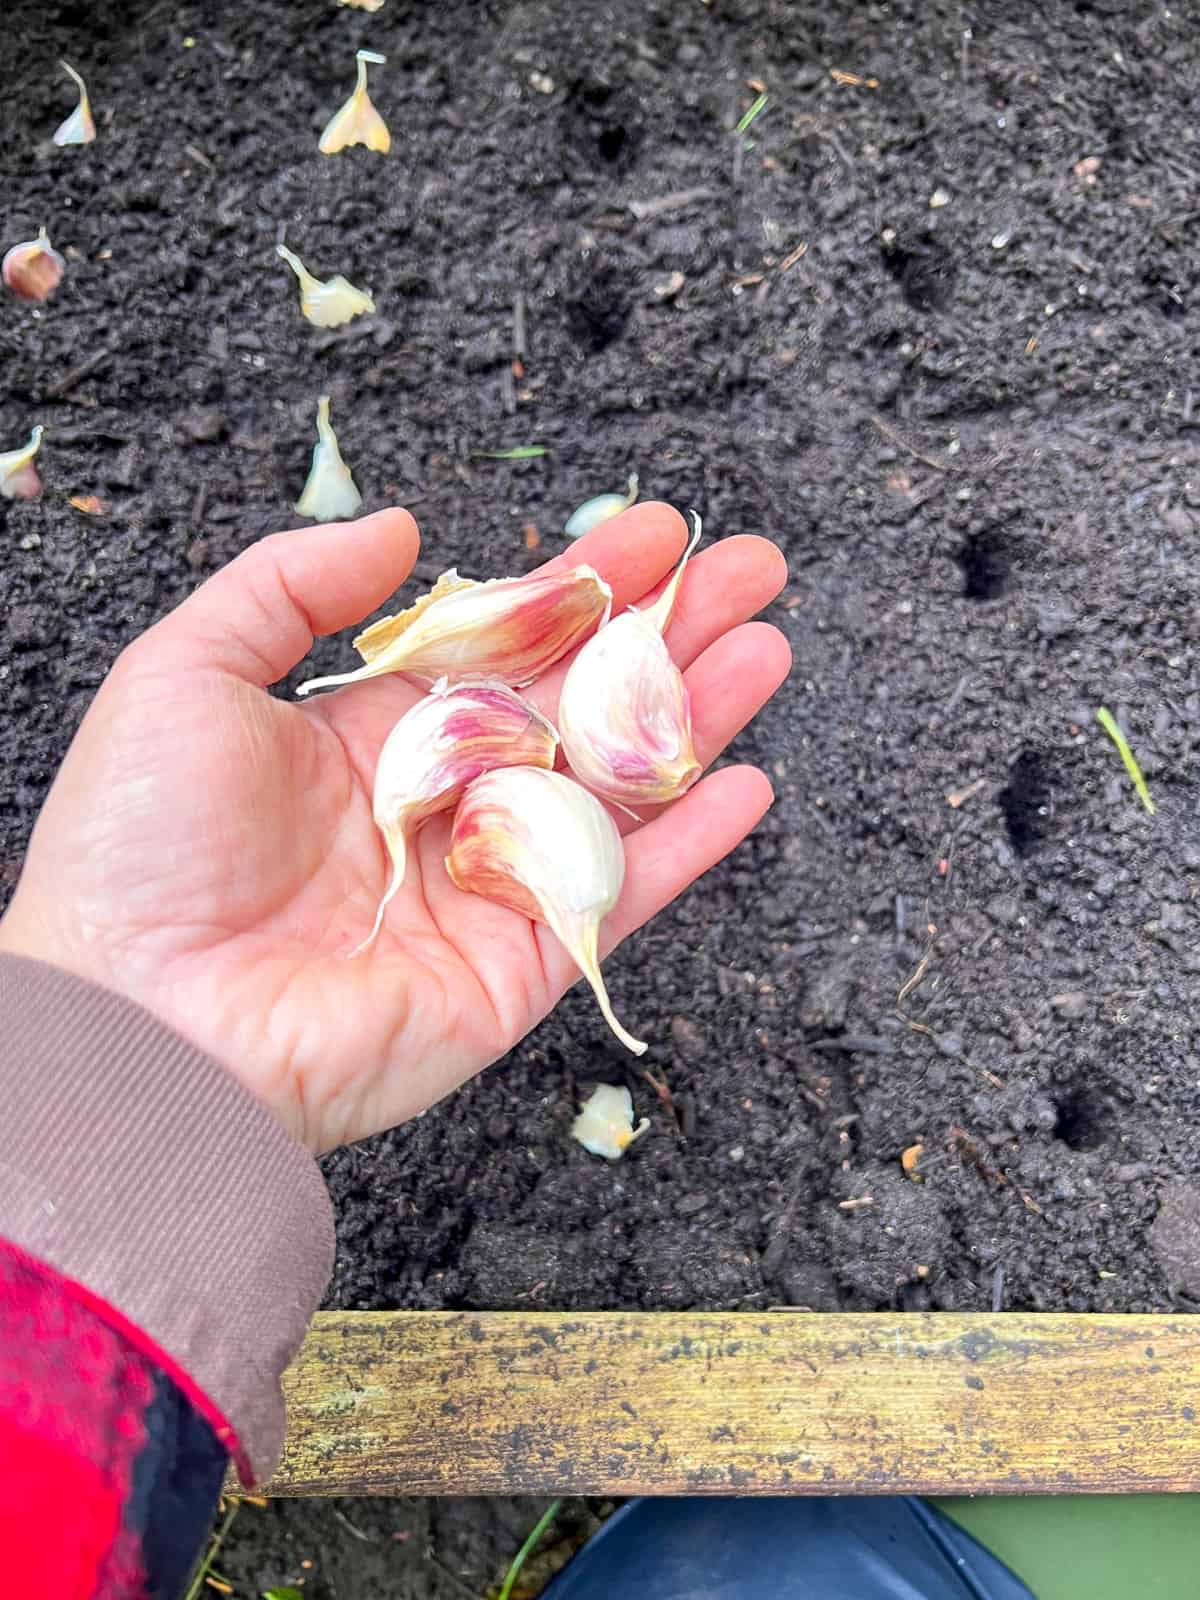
(753, 111)
(1109, 723)
(519, 452)
(523, 1554)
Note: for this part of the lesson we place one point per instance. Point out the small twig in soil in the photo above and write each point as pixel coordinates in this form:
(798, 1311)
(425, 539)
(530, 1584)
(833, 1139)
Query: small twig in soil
(350, 1528)
(959, 797)
(853, 1205)
(518, 335)
(450, 1577)
(912, 982)
(998, 1289)
(863, 1044)
(888, 432)
(663, 1090)
(67, 382)
(647, 210)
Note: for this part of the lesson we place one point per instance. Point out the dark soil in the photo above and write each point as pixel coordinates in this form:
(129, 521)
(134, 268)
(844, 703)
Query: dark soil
(970, 426)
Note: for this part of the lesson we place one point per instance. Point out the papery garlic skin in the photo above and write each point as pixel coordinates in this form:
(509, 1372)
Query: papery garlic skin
(600, 509)
(357, 122)
(451, 737)
(506, 628)
(604, 1126)
(541, 845)
(79, 128)
(19, 478)
(326, 303)
(34, 269)
(330, 493)
(624, 712)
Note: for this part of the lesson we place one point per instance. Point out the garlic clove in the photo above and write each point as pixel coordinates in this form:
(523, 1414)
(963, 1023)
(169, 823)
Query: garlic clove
(599, 509)
(19, 478)
(538, 843)
(33, 270)
(604, 1126)
(660, 612)
(78, 127)
(450, 738)
(357, 122)
(506, 628)
(330, 492)
(624, 712)
(328, 303)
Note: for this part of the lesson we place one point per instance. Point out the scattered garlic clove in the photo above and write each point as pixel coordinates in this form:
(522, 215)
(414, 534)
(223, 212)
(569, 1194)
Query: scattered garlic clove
(19, 478)
(357, 122)
(599, 509)
(33, 270)
(330, 492)
(604, 1126)
(538, 843)
(79, 127)
(328, 303)
(450, 738)
(506, 628)
(624, 713)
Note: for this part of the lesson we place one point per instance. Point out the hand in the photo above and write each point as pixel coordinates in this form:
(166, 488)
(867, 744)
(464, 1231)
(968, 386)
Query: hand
(210, 852)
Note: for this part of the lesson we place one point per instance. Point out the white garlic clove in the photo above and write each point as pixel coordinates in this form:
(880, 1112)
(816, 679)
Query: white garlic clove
(538, 843)
(599, 509)
(506, 628)
(330, 493)
(326, 303)
(33, 270)
(79, 127)
(624, 712)
(604, 1126)
(450, 738)
(357, 122)
(19, 478)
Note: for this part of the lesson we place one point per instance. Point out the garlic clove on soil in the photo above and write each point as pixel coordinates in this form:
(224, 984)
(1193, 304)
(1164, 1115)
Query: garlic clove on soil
(19, 478)
(33, 270)
(450, 738)
(357, 122)
(599, 509)
(624, 712)
(79, 127)
(604, 1126)
(329, 302)
(538, 843)
(506, 628)
(330, 492)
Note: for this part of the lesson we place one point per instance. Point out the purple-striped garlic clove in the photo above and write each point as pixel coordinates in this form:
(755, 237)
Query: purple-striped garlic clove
(506, 628)
(536, 842)
(33, 270)
(448, 740)
(624, 712)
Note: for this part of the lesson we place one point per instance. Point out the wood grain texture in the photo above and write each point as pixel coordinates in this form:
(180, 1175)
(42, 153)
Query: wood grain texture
(748, 1403)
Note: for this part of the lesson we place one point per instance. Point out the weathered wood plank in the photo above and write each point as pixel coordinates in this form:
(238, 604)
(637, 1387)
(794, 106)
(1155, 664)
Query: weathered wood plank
(614, 1403)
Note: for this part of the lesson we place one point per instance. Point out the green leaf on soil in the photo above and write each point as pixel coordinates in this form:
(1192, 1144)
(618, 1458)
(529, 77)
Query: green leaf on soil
(519, 452)
(282, 1594)
(1109, 723)
(749, 115)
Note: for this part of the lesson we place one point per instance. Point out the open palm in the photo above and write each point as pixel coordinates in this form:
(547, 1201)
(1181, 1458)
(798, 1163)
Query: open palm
(210, 852)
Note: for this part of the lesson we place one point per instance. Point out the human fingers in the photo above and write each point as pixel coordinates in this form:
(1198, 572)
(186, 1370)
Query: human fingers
(258, 616)
(632, 552)
(668, 854)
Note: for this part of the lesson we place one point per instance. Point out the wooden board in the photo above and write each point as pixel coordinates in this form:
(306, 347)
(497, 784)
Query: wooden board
(746, 1403)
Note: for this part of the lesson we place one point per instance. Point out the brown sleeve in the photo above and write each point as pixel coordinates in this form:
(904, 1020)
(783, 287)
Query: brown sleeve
(138, 1166)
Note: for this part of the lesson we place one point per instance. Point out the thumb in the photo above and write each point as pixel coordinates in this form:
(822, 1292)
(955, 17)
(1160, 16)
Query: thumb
(258, 616)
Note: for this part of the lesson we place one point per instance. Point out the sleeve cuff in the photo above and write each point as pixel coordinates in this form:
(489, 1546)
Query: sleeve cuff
(136, 1165)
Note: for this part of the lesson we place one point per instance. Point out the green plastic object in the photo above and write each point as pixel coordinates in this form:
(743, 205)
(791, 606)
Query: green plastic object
(1091, 1547)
